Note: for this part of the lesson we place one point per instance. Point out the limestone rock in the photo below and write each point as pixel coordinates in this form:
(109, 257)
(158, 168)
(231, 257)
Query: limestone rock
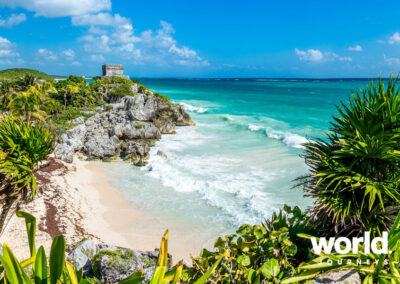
(127, 130)
(80, 257)
(161, 154)
(78, 120)
(137, 153)
(345, 276)
(113, 265)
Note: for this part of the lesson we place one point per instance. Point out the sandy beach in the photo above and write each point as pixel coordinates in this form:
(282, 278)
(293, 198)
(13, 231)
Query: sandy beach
(78, 201)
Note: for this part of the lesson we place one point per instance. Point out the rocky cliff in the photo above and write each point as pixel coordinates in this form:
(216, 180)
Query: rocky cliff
(127, 130)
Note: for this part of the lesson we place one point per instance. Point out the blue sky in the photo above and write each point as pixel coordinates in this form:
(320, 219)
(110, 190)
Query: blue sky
(202, 38)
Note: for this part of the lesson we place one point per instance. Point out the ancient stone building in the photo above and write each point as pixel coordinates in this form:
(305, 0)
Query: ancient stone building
(114, 70)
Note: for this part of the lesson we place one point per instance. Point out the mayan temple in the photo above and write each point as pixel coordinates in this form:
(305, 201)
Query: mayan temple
(114, 70)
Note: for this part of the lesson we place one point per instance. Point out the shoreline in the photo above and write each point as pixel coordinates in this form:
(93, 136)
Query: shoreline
(80, 195)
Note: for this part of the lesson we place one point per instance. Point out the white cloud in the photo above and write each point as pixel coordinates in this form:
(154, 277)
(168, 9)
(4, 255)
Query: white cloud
(13, 20)
(97, 58)
(69, 54)
(391, 60)
(100, 19)
(395, 38)
(345, 58)
(45, 54)
(115, 34)
(98, 44)
(355, 48)
(59, 8)
(315, 55)
(7, 48)
(8, 53)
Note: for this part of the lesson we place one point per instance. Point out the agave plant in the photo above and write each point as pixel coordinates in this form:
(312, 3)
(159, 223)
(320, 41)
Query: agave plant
(22, 147)
(36, 269)
(355, 172)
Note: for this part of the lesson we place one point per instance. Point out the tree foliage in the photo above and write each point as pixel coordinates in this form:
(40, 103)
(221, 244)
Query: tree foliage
(355, 173)
(22, 146)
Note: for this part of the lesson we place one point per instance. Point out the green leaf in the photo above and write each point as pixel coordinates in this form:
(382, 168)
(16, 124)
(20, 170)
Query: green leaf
(270, 268)
(30, 223)
(158, 275)
(244, 260)
(57, 258)
(14, 273)
(41, 267)
(134, 278)
(203, 279)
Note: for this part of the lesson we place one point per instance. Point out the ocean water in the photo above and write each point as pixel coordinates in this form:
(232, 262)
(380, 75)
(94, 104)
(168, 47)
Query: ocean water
(237, 165)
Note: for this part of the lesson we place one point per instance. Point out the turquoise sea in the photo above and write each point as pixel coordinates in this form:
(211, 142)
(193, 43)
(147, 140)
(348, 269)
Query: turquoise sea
(237, 165)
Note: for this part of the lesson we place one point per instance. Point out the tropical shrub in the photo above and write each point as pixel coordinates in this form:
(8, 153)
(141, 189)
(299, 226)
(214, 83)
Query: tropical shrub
(355, 172)
(6, 93)
(255, 254)
(57, 270)
(16, 73)
(164, 98)
(22, 146)
(374, 268)
(27, 105)
(122, 90)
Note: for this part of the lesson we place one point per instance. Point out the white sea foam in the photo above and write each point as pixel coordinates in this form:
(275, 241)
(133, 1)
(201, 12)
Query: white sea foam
(192, 108)
(254, 127)
(221, 181)
(290, 139)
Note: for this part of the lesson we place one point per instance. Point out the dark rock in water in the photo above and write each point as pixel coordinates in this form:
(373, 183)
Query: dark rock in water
(127, 131)
(161, 154)
(137, 153)
(345, 276)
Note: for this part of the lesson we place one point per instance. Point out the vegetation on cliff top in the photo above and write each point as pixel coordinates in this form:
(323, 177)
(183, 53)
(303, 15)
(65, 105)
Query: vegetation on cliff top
(15, 73)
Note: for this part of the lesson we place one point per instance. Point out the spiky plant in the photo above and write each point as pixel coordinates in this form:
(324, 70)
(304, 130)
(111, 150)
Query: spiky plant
(355, 171)
(22, 147)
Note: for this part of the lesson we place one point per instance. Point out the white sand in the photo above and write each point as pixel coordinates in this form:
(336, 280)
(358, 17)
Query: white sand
(80, 203)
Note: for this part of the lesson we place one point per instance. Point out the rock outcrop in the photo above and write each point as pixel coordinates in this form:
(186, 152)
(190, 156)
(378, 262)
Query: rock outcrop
(345, 276)
(128, 130)
(111, 264)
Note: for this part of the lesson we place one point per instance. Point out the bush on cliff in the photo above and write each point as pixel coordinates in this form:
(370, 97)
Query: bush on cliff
(22, 146)
(259, 253)
(355, 173)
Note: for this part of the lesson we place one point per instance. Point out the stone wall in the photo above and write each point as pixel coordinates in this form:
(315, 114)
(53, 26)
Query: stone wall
(113, 70)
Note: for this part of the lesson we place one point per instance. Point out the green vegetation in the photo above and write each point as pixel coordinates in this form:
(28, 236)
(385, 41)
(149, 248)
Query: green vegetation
(164, 98)
(259, 253)
(22, 146)
(16, 73)
(370, 265)
(354, 174)
(139, 126)
(122, 90)
(114, 257)
(57, 270)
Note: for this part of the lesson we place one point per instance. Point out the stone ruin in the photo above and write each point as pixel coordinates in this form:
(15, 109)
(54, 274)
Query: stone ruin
(114, 70)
